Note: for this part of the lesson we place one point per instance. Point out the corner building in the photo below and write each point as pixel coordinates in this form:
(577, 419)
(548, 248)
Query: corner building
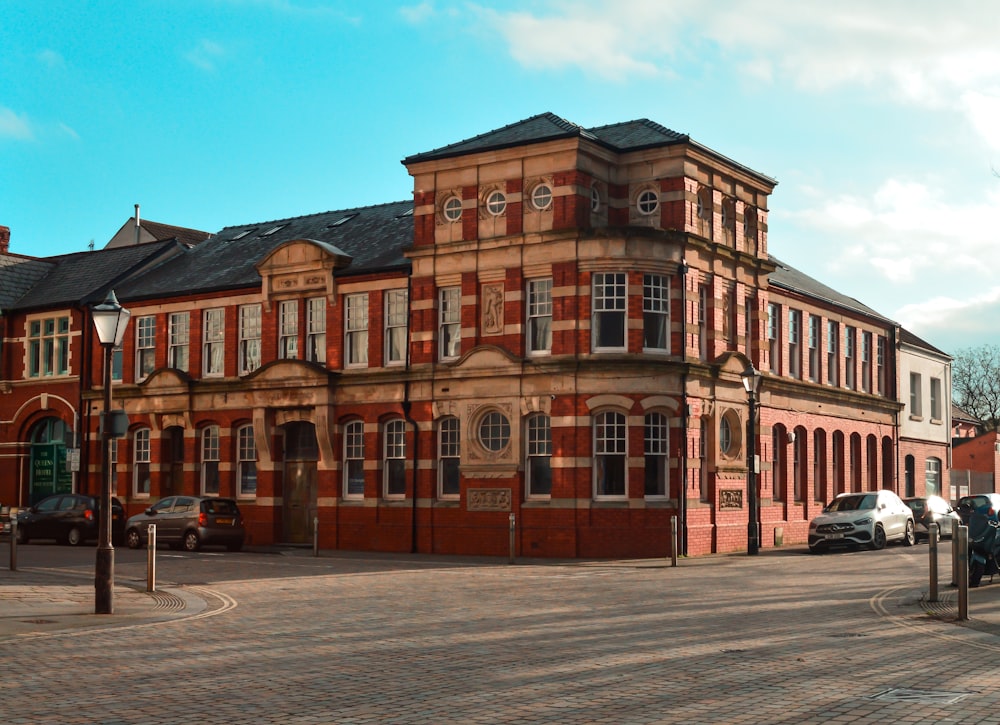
(548, 338)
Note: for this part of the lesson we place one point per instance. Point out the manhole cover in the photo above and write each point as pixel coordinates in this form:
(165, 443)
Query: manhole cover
(920, 697)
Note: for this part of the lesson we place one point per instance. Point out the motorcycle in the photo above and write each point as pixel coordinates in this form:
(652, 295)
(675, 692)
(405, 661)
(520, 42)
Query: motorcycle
(984, 546)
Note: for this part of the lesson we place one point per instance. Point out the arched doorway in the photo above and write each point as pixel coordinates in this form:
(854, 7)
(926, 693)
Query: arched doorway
(299, 482)
(49, 473)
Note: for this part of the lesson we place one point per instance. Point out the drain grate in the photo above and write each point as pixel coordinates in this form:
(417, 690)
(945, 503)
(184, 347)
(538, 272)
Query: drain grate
(920, 697)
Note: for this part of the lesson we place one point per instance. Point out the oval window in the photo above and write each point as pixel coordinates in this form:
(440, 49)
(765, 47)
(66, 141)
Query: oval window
(494, 431)
(541, 196)
(453, 209)
(496, 203)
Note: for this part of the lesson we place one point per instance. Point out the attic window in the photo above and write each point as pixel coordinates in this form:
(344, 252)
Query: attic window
(340, 221)
(272, 230)
(244, 233)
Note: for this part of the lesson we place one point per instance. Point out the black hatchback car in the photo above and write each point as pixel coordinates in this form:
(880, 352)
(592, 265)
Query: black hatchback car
(69, 518)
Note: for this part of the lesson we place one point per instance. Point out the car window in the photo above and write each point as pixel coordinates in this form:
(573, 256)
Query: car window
(184, 504)
(938, 505)
(855, 502)
(219, 506)
(916, 504)
(67, 503)
(163, 505)
(48, 504)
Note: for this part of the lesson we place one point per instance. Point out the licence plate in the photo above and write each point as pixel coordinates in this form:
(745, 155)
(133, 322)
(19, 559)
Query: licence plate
(833, 536)
(224, 522)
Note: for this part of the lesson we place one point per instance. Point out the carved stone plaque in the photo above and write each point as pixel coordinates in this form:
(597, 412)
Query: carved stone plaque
(492, 309)
(730, 498)
(489, 499)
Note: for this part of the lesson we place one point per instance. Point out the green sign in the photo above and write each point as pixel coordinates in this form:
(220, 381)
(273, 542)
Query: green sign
(49, 473)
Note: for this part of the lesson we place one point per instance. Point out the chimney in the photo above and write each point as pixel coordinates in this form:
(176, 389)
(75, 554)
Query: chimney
(137, 227)
(4, 240)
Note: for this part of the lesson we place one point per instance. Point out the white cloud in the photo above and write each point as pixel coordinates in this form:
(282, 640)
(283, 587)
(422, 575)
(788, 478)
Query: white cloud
(15, 126)
(417, 13)
(206, 55)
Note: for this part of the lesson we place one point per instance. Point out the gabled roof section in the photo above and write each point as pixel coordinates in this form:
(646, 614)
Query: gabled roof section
(18, 274)
(86, 276)
(374, 237)
(908, 338)
(788, 278)
(635, 135)
(959, 414)
(187, 237)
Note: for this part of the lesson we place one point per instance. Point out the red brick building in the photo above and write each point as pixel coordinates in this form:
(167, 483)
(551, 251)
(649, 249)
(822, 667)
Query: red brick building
(551, 333)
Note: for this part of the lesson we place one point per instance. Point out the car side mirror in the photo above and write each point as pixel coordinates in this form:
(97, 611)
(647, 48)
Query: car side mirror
(150, 512)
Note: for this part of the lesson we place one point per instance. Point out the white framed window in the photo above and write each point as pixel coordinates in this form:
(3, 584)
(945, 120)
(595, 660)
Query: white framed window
(394, 459)
(140, 462)
(916, 400)
(610, 311)
(210, 461)
(450, 323)
(541, 197)
(538, 466)
(866, 361)
(880, 374)
(774, 341)
(850, 337)
(249, 338)
(494, 431)
(496, 203)
(397, 314)
(354, 460)
(657, 451)
(539, 316)
(449, 457)
(145, 346)
(610, 455)
(452, 209)
(648, 202)
(356, 330)
(795, 343)
(814, 337)
(832, 353)
(179, 340)
(246, 462)
(935, 399)
(655, 313)
(48, 347)
(316, 329)
(214, 344)
(288, 330)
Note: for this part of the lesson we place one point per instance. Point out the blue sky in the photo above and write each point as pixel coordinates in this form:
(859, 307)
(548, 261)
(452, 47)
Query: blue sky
(880, 120)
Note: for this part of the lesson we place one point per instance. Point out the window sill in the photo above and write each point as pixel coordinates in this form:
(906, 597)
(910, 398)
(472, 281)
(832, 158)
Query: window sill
(917, 418)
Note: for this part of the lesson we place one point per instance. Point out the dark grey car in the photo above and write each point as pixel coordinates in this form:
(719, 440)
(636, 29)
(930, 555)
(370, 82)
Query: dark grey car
(189, 522)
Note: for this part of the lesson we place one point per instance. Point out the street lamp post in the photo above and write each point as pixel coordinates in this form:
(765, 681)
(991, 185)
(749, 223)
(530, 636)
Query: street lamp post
(751, 383)
(110, 320)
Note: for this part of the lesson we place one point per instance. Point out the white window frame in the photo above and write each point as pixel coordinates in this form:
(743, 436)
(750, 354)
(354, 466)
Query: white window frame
(48, 347)
(815, 324)
(450, 323)
(656, 313)
(250, 326)
(394, 458)
(354, 459)
(850, 361)
(647, 202)
(541, 197)
(832, 353)
(141, 459)
(496, 203)
(538, 456)
(356, 330)
(288, 330)
(397, 317)
(773, 336)
(246, 462)
(795, 343)
(210, 460)
(609, 292)
(935, 399)
(866, 361)
(316, 330)
(179, 340)
(916, 397)
(880, 352)
(539, 325)
(145, 346)
(451, 210)
(656, 437)
(214, 342)
(610, 444)
(449, 458)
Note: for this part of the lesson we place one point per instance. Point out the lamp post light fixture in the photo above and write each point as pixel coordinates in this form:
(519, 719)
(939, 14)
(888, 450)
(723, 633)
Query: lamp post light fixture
(751, 383)
(110, 320)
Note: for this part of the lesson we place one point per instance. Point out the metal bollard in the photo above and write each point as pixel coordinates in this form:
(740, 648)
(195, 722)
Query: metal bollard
(932, 551)
(954, 555)
(961, 542)
(13, 543)
(315, 535)
(151, 558)
(673, 541)
(511, 538)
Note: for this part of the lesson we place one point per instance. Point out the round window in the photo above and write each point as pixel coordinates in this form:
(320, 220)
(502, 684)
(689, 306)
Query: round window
(725, 436)
(541, 196)
(648, 202)
(595, 199)
(494, 431)
(496, 203)
(453, 209)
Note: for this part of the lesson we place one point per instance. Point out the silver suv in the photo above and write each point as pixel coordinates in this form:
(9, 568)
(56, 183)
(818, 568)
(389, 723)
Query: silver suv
(869, 518)
(189, 522)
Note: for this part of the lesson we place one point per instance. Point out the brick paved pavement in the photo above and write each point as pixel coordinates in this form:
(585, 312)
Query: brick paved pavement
(781, 638)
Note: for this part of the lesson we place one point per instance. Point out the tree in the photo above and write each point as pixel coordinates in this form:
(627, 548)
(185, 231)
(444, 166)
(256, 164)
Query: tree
(975, 381)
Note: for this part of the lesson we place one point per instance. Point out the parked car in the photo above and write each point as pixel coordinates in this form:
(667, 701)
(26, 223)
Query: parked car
(984, 503)
(69, 518)
(189, 522)
(933, 510)
(870, 518)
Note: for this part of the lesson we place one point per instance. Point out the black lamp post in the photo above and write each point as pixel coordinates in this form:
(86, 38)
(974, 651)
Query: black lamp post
(110, 319)
(751, 382)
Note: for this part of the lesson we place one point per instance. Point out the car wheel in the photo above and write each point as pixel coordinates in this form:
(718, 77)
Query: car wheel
(878, 540)
(908, 538)
(74, 536)
(133, 539)
(191, 541)
(22, 536)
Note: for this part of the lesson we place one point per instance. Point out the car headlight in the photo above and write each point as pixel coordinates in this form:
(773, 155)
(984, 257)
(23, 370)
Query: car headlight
(812, 525)
(863, 522)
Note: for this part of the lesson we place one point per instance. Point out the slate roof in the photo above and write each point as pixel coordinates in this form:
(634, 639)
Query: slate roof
(374, 237)
(907, 337)
(18, 274)
(620, 137)
(958, 413)
(85, 277)
(793, 280)
(184, 235)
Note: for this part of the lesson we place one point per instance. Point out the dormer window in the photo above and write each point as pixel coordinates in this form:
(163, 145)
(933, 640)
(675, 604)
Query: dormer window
(648, 202)
(496, 203)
